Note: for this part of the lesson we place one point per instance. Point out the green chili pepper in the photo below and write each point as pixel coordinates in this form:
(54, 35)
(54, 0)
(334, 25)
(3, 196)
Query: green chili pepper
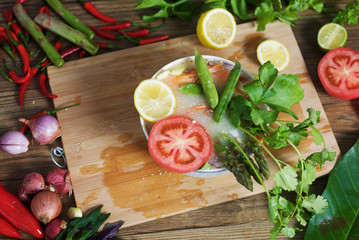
(205, 77)
(86, 234)
(227, 92)
(191, 89)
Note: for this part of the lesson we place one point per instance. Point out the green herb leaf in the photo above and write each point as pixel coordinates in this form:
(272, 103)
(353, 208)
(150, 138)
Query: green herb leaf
(286, 178)
(315, 204)
(239, 109)
(308, 177)
(301, 220)
(265, 13)
(285, 85)
(267, 74)
(321, 157)
(239, 8)
(318, 137)
(288, 231)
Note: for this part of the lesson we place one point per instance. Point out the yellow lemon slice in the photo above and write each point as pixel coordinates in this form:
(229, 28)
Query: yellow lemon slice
(331, 36)
(216, 28)
(275, 52)
(154, 100)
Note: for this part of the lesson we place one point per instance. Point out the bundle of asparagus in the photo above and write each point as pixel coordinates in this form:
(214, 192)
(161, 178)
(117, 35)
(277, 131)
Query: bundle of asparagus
(245, 160)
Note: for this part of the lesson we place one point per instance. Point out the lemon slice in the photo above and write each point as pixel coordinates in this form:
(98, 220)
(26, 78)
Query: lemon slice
(154, 100)
(332, 36)
(275, 52)
(216, 28)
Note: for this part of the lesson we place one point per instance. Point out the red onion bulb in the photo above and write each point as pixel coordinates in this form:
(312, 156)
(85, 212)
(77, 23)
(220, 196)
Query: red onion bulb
(46, 206)
(45, 128)
(14, 142)
(54, 228)
(59, 179)
(31, 184)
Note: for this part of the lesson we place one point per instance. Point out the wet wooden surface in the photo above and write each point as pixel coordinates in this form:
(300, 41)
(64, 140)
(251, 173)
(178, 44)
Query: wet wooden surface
(238, 219)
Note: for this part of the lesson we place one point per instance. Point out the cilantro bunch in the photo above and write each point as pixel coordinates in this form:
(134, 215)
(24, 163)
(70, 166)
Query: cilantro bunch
(263, 12)
(249, 113)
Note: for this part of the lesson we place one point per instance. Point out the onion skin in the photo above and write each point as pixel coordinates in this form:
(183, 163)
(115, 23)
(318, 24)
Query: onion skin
(54, 228)
(59, 179)
(14, 142)
(46, 206)
(45, 128)
(31, 184)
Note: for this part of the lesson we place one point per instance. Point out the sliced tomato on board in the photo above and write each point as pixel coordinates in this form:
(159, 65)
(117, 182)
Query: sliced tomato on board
(180, 144)
(338, 71)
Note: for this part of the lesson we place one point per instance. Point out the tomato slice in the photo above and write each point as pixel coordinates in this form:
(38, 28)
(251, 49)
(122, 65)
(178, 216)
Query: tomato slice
(180, 144)
(338, 71)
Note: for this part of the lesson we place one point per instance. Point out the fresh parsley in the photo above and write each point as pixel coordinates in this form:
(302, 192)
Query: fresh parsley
(258, 122)
(263, 12)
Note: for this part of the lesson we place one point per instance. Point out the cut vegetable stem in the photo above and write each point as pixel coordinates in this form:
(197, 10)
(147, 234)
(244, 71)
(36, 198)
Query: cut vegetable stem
(67, 32)
(38, 36)
(71, 19)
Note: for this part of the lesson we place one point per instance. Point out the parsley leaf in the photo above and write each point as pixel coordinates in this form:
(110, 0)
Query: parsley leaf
(321, 157)
(286, 178)
(315, 204)
(308, 176)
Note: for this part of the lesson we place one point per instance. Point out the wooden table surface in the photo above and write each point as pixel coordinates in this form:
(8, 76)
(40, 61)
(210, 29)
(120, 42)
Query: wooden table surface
(239, 219)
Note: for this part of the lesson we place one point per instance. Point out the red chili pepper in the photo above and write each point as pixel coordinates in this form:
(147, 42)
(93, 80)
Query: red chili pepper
(20, 48)
(24, 127)
(106, 35)
(23, 86)
(152, 40)
(42, 86)
(105, 46)
(117, 26)
(17, 79)
(13, 211)
(8, 230)
(14, 26)
(44, 9)
(68, 52)
(82, 53)
(90, 8)
(137, 33)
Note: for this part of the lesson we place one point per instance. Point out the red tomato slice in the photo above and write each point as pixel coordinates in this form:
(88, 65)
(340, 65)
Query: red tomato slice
(180, 144)
(339, 73)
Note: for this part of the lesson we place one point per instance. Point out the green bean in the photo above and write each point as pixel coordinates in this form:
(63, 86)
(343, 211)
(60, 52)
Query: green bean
(191, 89)
(205, 77)
(227, 92)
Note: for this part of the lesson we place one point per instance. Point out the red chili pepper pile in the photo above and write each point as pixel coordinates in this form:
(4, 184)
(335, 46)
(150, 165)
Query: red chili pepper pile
(14, 40)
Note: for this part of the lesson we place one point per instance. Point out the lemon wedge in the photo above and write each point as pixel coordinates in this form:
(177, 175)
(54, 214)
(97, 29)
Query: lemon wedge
(154, 100)
(275, 52)
(216, 28)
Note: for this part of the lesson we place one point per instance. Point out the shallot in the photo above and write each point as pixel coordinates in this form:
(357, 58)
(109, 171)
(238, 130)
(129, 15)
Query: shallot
(46, 206)
(59, 179)
(31, 184)
(54, 228)
(14, 142)
(45, 128)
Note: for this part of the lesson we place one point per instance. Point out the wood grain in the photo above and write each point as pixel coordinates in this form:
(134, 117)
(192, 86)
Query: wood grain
(106, 150)
(233, 215)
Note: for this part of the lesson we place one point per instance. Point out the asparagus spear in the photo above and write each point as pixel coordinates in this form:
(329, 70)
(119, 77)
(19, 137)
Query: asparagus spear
(234, 165)
(71, 19)
(260, 158)
(67, 32)
(37, 35)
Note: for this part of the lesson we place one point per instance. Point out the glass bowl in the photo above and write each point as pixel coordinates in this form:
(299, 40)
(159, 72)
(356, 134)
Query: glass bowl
(188, 62)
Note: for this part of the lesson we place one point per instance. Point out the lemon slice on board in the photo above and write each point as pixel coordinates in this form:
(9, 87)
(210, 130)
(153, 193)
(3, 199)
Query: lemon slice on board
(332, 36)
(216, 28)
(154, 100)
(275, 52)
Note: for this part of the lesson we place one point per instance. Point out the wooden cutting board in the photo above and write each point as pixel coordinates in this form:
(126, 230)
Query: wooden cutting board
(106, 149)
